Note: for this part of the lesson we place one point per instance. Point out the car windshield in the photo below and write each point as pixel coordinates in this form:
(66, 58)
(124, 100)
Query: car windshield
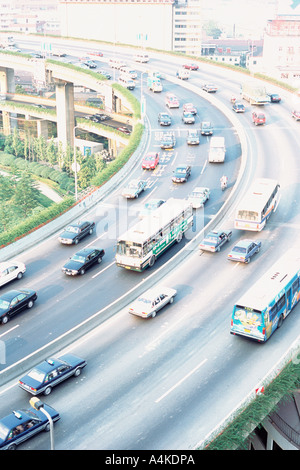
(150, 158)
(188, 114)
(37, 375)
(3, 431)
(72, 229)
(205, 125)
(211, 237)
(151, 205)
(133, 185)
(239, 249)
(197, 194)
(181, 170)
(4, 303)
(144, 300)
(78, 258)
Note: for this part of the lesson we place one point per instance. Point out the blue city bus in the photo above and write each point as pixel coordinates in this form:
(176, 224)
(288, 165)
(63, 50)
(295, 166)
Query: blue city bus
(262, 309)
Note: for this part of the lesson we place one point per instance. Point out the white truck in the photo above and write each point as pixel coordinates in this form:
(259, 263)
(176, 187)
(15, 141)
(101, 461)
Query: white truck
(254, 93)
(183, 74)
(153, 82)
(217, 150)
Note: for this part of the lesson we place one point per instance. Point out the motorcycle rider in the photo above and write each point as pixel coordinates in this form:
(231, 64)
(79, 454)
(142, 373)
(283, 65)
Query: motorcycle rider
(224, 182)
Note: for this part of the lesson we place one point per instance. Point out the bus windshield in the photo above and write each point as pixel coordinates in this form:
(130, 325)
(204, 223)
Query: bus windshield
(128, 248)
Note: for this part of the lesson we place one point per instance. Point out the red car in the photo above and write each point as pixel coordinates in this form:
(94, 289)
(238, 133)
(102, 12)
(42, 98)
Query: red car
(150, 161)
(258, 118)
(296, 115)
(191, 66)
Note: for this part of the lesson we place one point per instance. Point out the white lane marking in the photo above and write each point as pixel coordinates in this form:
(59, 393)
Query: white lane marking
(8, 331)
(180, 381)
(102, 270)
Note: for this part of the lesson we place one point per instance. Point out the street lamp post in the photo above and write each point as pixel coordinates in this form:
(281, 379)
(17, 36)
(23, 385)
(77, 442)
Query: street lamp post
(75, 166)
(39, 405)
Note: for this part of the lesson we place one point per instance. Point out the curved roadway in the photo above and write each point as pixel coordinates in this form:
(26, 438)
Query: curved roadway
(166, 382)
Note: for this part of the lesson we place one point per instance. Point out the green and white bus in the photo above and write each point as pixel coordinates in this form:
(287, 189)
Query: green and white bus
(257, 206)
(141, 245)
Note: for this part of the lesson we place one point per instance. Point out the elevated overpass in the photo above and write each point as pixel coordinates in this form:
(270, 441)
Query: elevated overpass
(64, 77)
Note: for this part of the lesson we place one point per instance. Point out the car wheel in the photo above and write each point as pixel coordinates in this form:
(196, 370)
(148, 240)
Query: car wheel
(47, 427)
(77, 372)
(12, 447)
(258, 249)
(171, 300)
(30, 304)
(47, 391)
(91, 231)
(99, 260)
(153, 314)
(20, 275)
(76, 241)
(248, 260)
(4, 319)
(82, 271)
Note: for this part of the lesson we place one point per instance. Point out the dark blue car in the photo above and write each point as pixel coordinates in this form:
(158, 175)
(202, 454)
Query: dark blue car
(21, 425)
(243, 251)
(51, 372)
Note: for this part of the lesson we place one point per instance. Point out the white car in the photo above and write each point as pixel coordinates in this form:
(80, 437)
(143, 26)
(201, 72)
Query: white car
(10, 270)
(198, 197)
(148, 304)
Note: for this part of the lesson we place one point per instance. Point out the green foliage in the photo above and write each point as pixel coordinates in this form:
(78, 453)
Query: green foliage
(35, 221)
(234, 436)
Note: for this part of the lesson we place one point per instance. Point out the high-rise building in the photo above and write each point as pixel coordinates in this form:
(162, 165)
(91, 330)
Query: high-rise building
(159, 24)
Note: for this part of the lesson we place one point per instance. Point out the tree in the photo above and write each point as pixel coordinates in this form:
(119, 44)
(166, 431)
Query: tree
(26, 196)
(211, 28)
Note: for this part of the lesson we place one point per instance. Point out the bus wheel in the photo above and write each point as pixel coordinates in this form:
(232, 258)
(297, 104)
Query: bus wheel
(152, 261)
(280, 321)
(179, 237)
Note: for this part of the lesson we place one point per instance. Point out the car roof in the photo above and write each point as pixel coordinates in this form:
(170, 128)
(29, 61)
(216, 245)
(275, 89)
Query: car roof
(86, 251)
(11, 421)
(244, 243)
(7, 264)
(48, 365)
(11, 294)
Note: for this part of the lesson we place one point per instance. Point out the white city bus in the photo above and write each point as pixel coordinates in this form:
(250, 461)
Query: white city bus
(257, 206)
(139, 247)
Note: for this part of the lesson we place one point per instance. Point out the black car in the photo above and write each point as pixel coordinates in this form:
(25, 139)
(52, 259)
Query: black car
(15, 301)
(99, 117)
(43, 377)
(164, 119)
(75, 232)
(181, 174)
(82, 260)
(274, 97)
(168, 141)
(21, 425)
(206, 128)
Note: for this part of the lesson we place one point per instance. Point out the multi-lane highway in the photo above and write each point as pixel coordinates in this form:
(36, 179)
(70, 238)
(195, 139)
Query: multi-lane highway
(163, 383)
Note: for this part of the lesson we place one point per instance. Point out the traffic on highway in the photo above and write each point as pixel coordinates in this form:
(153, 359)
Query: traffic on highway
(174, 362)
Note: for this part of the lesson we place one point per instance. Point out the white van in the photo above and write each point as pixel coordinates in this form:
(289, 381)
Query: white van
(127, 82)
(217, 149)
(141, 57)
(128, 71)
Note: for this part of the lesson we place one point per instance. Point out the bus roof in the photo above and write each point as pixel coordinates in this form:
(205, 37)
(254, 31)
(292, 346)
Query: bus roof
(152, 223)
(270, 284)
(259, 193)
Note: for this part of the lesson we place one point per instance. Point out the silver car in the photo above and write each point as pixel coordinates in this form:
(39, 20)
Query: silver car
(148, 304)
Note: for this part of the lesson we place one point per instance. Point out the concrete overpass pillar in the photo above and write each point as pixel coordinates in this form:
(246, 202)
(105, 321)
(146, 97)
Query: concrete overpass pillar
(7, 80)
(42, 129)
(65, 112)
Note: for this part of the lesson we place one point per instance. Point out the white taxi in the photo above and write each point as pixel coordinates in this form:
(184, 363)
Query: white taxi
(148, 304)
